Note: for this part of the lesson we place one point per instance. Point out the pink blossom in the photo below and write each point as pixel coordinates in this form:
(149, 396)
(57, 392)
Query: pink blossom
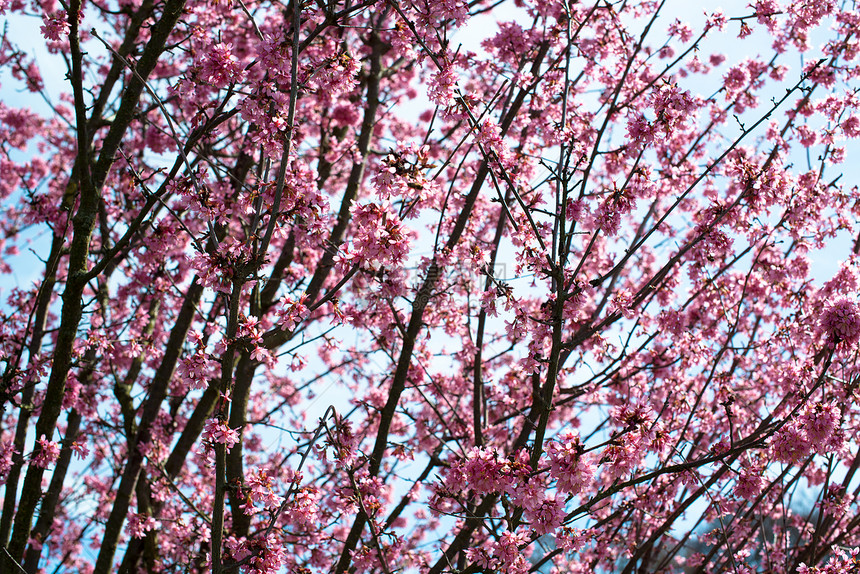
(382, 240)
(55, 27)
(47, 452)
(749, 483)
(790, 445)
(138, 525)
(623, 303)
(507, 555)
(608, 215)
(80, 448)
(840, 321)
(263, 555)
(835, 500)
(639, 129)
(335, 74)
(388, 183)
(716, 20)
(217, 431)
(820, 421)
(220, 67)
(571, 539)
(261, 490)
(484, 471)
(681, 30)
(292, 311)
(837, 155)
(571, 468)
(851, 126)
(442, 86)
(576, 210)
(195, 370)
(547, 517)
(7, 451)
(345, 116)
(736, 79)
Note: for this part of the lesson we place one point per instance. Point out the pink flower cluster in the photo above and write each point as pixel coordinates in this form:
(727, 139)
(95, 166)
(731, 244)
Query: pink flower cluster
(484, 471)
(489, 135)
(55, 27)
(749, 482)
(816, 429)
(608, 216)
(569, 466)
(260, 490)
(335, 75)
(47, 454)
(263, 555)
(380, 241)
(194, 371)
(217, 431)
(303, 509)
(292, 312)
(842, 562)
(851, 126)
(442, 87)
(7, 450)
(139, 524)
(220, 67)
(548, 516)
(623, 303)
(251, 331)
(841, 321)
(502, 555)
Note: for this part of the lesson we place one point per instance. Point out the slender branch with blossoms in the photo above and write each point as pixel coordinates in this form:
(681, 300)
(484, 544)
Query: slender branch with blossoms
(429, 286)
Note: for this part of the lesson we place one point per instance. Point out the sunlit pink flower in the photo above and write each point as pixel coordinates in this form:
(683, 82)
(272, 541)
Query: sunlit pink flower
(841, 321)
(47, 454)
(851, 126)
(139, 524)
(571, 468)
(217, 431)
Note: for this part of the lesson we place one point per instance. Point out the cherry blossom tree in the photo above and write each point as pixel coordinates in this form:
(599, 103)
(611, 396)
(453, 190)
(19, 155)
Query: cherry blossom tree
(430, 286)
